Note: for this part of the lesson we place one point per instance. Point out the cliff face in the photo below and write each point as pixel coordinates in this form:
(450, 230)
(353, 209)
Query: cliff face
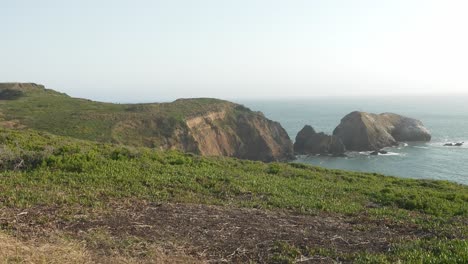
(360, 131)
(227, 130)
(209, 139)
(406, 129)
(240, 133)
(203, 126)
(262, 138)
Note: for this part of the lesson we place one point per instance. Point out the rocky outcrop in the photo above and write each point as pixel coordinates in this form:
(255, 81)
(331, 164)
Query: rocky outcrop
(309, 142)
(227, 130)
(458, 144)
(360, 131)
(223, 129)
(379, 152)
(404, 128)
(240, 133)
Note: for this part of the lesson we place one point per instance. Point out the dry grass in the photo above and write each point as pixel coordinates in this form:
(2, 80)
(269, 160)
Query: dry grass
(13, 250)
(61, 251)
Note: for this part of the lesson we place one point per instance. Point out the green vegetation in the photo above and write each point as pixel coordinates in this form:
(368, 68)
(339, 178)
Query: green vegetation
(42, 109)
(418, 251)
(84, 172)
(42, 170)
(75, 185)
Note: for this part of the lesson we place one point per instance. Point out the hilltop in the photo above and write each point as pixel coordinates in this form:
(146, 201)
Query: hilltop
(65, 200)
(204, 126)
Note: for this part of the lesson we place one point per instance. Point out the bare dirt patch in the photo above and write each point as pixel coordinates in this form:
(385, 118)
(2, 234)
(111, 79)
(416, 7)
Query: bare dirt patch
(214, 233)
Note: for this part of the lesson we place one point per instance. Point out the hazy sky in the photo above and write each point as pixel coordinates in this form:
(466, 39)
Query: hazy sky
(150, 50)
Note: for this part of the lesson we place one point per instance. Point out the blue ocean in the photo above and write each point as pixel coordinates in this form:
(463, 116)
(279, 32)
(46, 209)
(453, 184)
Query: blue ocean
(445, 116)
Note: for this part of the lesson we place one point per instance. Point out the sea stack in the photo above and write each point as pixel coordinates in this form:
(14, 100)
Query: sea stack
(309, 142)
(361, 131)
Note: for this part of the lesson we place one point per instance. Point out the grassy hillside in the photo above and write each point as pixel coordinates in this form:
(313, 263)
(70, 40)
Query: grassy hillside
(35, 107)
(204, 126)
(113, 203)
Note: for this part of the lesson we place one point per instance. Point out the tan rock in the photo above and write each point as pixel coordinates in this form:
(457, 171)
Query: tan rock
(362, 131)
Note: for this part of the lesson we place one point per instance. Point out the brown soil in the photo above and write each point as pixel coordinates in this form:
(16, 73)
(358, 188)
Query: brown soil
(216, 234)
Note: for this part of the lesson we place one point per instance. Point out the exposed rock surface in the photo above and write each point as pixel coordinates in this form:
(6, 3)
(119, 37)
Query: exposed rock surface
(360, 131)
(377, 152)
(203, 126)
(458, 144)
(310, 142)
(229, 130)
(245, 134)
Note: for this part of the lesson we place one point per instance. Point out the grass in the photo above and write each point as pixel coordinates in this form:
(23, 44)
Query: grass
(59, 250)
(201, 126)
(131, 124)
(72, 173)
(418, 251)
(49, 170)
(42, 170)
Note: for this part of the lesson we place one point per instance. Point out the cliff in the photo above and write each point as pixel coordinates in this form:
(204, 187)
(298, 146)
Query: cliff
(360, 131)
(238, 132)
(203, 126)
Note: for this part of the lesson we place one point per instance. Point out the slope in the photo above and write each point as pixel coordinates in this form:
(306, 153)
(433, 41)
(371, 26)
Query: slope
(205, 126)
(129, 203)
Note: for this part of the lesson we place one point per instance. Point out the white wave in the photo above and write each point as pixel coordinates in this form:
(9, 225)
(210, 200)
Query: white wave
(389, 153)
(420, 147)
(392, 154)
(400, 146)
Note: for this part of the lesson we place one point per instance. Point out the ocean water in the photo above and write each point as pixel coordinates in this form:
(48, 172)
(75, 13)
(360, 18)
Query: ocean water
(445, 116)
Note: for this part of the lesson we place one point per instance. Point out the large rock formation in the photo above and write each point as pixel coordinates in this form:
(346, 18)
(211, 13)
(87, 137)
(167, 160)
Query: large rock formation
(360, 131)
(225, 129)
(202, 126)
(310, 142)
(246, 135)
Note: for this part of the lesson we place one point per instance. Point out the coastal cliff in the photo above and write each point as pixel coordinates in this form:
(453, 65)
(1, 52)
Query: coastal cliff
(238, 132)
(204, 126)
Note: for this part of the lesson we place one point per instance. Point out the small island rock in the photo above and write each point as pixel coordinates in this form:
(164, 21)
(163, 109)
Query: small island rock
(360, 131)
(458, 144)
(310, 142)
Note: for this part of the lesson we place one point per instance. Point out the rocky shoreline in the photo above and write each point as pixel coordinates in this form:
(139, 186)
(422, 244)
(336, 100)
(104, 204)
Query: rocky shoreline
(361, 131)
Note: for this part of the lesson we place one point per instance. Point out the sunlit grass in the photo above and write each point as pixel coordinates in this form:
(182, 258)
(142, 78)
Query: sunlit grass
(39, 169)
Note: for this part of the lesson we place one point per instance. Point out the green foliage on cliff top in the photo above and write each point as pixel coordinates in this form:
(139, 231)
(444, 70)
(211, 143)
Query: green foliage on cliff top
(33, 106)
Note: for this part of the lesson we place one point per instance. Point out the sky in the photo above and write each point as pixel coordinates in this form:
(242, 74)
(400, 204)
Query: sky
(153, 50)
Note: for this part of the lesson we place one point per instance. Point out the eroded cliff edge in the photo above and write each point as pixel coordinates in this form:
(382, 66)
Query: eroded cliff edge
(204, 126)
(236, 131)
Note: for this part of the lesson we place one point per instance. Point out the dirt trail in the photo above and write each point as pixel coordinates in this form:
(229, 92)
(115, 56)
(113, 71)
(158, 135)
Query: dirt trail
(223, 234)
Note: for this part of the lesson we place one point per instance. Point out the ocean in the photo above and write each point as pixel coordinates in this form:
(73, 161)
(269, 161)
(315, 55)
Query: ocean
(445, 116)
